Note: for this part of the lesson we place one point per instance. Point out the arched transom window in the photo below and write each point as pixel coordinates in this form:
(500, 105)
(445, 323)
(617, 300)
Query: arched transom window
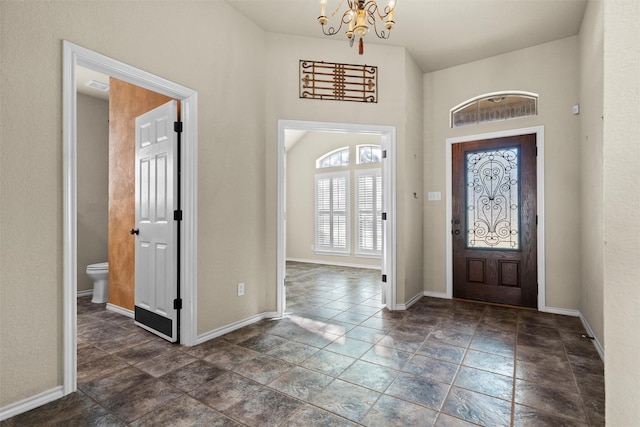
(339, 157)
(495, 106)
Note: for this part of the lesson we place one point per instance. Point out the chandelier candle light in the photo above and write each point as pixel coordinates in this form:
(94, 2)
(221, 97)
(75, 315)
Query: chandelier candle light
(359, 13)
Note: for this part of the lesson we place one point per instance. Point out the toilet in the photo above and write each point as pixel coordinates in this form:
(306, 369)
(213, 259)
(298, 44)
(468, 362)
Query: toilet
(99, 273)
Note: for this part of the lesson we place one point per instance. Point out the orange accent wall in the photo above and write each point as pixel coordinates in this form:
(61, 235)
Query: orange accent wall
(126, 102)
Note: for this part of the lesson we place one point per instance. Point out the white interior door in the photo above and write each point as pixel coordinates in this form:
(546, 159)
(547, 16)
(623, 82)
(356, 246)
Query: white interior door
(156, 288)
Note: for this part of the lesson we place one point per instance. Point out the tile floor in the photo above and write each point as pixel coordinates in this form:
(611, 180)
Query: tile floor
(338, 359)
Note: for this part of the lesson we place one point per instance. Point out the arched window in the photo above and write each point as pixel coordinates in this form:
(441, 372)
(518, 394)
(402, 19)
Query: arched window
(369, 154)
(339, 157)
(495, 106)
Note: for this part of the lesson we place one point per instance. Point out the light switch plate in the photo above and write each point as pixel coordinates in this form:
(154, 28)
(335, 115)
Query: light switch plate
(434, 195)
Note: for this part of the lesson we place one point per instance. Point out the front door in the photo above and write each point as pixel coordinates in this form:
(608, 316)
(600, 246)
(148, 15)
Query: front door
(494, 220)
(156, 241)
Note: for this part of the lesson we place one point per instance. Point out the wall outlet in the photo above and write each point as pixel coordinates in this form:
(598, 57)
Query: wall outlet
(240, 289)
(313, 247)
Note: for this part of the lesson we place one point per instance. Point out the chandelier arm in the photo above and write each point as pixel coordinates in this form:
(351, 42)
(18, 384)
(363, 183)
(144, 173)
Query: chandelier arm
(332, 30)
(382, 34)
(372, 9)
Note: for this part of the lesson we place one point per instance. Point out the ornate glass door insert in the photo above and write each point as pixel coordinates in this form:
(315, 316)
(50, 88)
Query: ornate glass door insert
(493, 207)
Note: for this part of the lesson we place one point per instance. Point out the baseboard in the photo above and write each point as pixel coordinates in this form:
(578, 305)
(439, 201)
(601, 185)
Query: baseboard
(336, 264)
(235, 326)
(120, 310)
(409, 303)
(563, 311)
(85, 293)
(431, 294)
(30, 403)
(596, 342)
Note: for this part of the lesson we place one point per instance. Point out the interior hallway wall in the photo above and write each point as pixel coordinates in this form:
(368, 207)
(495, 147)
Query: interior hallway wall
(591, 168)
(551, 71)
(93, 185)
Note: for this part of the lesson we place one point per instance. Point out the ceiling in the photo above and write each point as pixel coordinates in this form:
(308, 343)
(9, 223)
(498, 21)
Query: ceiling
(85, 76)
(437, 34)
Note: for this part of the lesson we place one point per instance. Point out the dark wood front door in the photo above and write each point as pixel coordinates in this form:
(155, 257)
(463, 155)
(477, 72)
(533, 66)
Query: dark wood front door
(494, 220)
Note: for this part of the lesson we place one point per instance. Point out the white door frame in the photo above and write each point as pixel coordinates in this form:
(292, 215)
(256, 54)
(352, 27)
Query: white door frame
(73, 56)
(539, 131)
(388, 140)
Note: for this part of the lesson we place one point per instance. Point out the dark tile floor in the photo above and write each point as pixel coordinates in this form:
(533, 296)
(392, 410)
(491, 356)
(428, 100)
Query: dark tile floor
(338, 359)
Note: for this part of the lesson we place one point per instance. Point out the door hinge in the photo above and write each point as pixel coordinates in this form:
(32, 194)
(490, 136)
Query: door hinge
(384, 216)
(536, 219)
(177, 215)
(177, 304)
(536, 151)
(177, 127)
(384, 278)
(384, 154)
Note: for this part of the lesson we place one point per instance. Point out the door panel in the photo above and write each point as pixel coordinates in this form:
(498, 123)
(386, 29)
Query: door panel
(494, 220)
(156, 265)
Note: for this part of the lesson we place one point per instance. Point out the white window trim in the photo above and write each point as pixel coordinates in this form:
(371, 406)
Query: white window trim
(365, 253)
(324, 250)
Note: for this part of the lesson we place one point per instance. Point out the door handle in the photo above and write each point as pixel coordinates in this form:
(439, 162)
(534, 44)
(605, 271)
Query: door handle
(456, 223)
(134, 231)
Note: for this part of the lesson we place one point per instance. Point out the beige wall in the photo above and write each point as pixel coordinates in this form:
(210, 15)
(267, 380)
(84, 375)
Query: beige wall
(551, 70)
(300, 212)
(397, 77)
(230, 132)
(621, 246)
(93, 185)
(412, 193)
(591, 168)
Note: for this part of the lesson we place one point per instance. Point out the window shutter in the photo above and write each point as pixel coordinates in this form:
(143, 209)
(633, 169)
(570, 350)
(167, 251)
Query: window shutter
(340, 212)
(323, 219)
(379, 213)
(369, 212)
(332, 212)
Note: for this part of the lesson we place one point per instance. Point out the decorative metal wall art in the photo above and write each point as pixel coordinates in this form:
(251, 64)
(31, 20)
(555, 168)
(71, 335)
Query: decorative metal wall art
(493, 217)
(339, 82)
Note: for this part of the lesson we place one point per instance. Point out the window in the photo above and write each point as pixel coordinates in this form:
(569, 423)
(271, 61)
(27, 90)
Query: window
(332, 213)
(493, 107)
(369, 154)
(493, 202)
(339, 157)
(369, 212)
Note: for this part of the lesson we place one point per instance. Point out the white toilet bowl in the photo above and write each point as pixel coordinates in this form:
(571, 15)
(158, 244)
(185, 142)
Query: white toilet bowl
(99, 273)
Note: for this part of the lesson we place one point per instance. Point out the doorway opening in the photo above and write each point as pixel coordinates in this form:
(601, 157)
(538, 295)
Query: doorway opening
(387, 138)
(75, 56)
(538, 131)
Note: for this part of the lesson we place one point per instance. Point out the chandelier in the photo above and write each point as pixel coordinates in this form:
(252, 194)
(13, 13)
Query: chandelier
(358, 17)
